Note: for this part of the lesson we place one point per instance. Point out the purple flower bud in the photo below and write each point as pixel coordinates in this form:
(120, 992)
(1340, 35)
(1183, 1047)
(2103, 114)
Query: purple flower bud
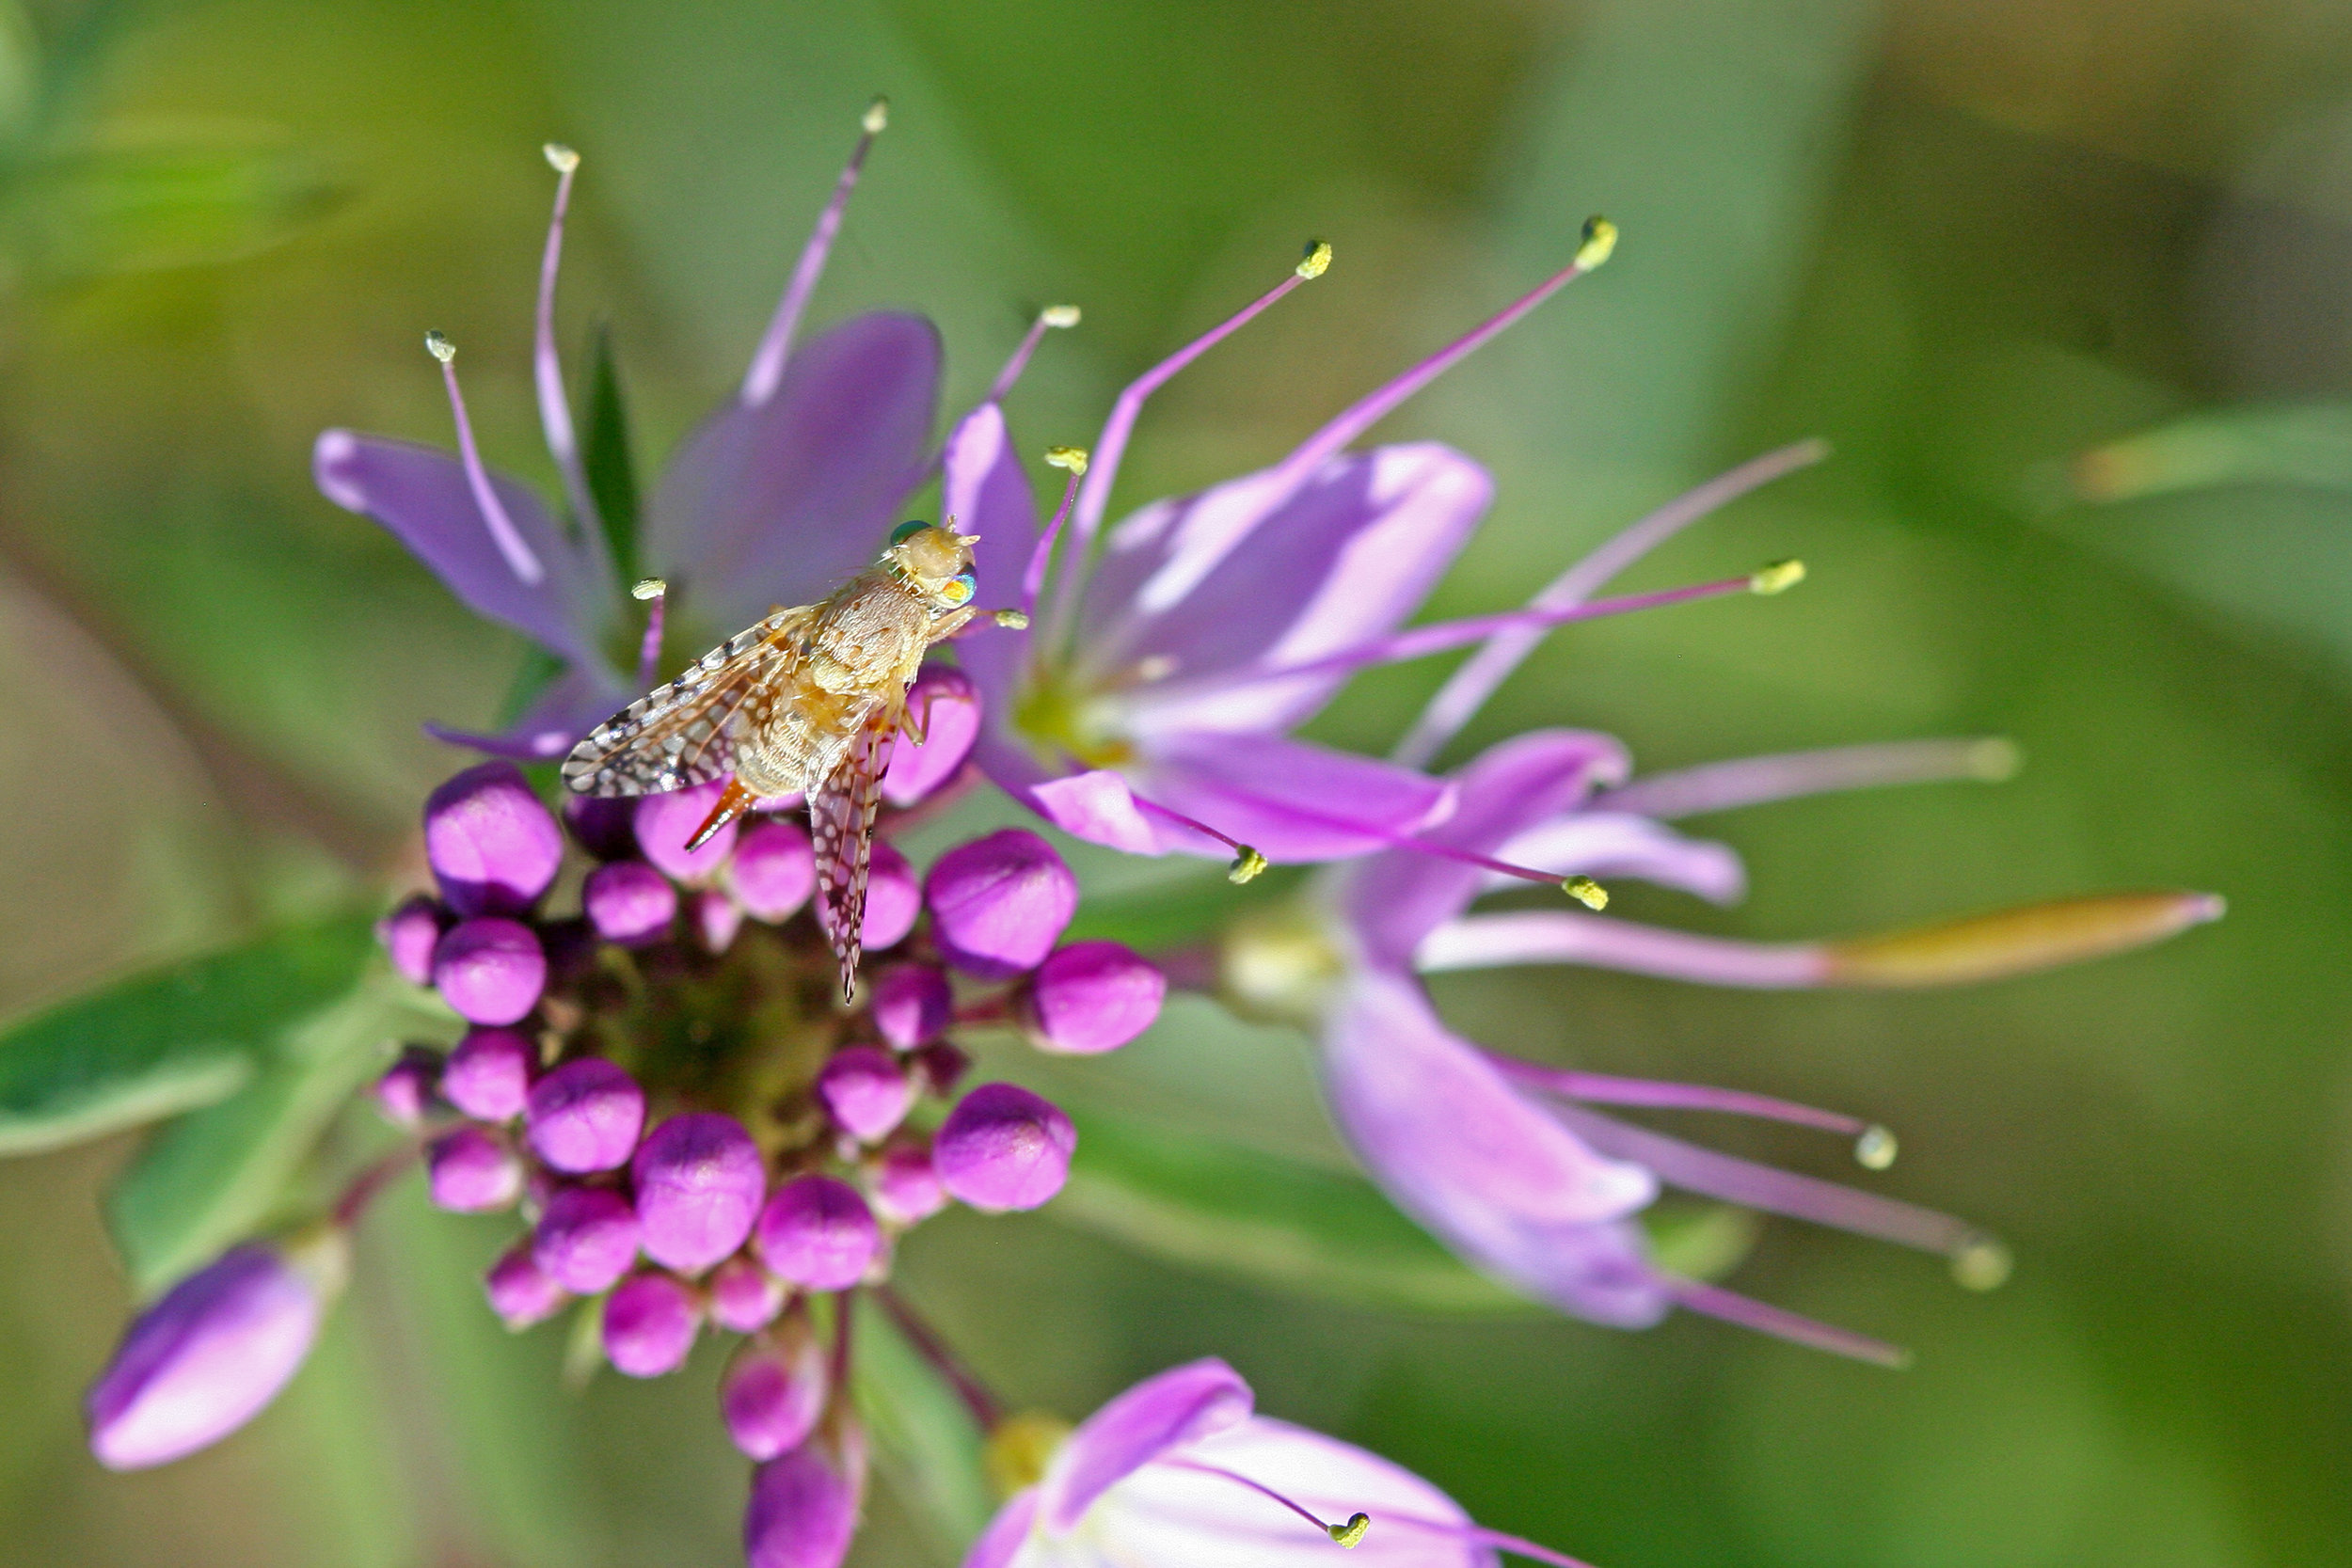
(912, 1002)
(743, 1296)
(605, 826)
(773, 1390)
(716, 918)
(1004, 1148)
(699, 1180)
(905, 1187)
(491, 844)
(204, 1360)
(629, 902)
(817, 1232)
(866, 1091)
(805, 1506)
(585, 1115)
(1090, 997)
(520, 1291)
(893, 899)
(586, 1238)
(999, 903)
(649, 1324)
(665, 822)
(409, 934)
(942, 1064)
(405, 1093)
(489, 1073)
(470, 1171)
(491, 971)
(943, 701)
(773, 871)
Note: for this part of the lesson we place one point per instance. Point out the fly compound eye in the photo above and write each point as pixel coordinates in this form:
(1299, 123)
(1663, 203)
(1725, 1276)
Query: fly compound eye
(958, 589)
(907, 530)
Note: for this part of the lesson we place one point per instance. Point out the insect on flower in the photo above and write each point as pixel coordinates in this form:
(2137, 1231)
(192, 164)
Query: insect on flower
(809, 702)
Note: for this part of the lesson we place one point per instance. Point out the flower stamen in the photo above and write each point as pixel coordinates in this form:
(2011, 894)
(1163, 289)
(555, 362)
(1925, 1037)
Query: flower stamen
(767, 370)
(546, 366)
(1051, 317)
(656, 593)
(1347, 1534)
(503, 533)
(1033, 576)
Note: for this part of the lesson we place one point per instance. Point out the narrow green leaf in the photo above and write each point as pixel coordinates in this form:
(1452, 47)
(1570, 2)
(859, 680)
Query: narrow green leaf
(1262, 1219)
(605, 458)
(164, 1042)
(2303, 444)
(926, 1442)
(214, 1176)
(145, 200)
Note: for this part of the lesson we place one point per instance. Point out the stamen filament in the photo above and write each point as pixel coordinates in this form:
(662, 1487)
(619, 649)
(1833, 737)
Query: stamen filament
(371, 1181)
(1033, 576)
(1751, 780)
(555, 409)
(1248, 862)
(1467, 689)
(502, 530)
(1311, 454)
(775, 347)
(1795, 1327)
(1606, 1089)
(656, 594)
(1112, 445)
(1347, 1534)
(1047, 320)
(928, 1344)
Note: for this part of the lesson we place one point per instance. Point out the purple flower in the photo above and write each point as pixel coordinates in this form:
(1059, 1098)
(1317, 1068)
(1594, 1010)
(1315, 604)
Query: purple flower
(586, 1238)
(1090, 997)
(699, 1182)
(774, 1390)
(649, 1324)
(998, 904)
(488, 1075)
(492, 845)
(817, 1232)
(206, 1358)
(629, 903)
(781, 494)
(1003, 1148)
(804, 1504)
(585, 1115)
(520, 1291)
(491, 970)
(1179, 1471)
(470, 1171)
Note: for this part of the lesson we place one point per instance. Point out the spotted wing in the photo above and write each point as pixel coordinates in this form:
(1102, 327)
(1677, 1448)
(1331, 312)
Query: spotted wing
(841, 826)
(683, 733)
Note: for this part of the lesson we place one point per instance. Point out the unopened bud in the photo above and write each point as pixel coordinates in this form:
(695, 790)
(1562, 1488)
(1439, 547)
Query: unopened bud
(491, 971)
(1600, 242)
(817, 1232)
(744, 1297)
(664, 822)
(1318, 260)
(586, 1238)
(493, 847)
(2016, 942)
(1090, 997)
(409, 934)
(649, 1324)
(520, 1291)
(912, 1004)
(944, 700)
(470, 1171)
(998, 904)
(774, 1389)
(629, 903)
(1775, 576)
(405, 1093)
(488, 1075)
(805, 1503)
(1003, 1148)
(585, 1115)
(699, 1180)
(905, 1187)
(866, 1092)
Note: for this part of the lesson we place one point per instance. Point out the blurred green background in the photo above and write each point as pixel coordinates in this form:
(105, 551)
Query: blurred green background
(1965, 240)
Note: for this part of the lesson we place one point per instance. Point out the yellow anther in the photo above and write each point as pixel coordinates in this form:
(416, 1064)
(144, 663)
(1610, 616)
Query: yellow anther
(1020, 1448)
(1351, 1532)
(439, 347)
(648, 588)
(1012, 620)
(561, 158)
(1995, 760)
(877, 116)
(1875, 1148)
(1058, 315)
(1073, 458)
(1586, 892)
(1981, 1262)
(1600, 238)
(2015, 942)
(1318, 260)
(1246, 866)
(1775, 576)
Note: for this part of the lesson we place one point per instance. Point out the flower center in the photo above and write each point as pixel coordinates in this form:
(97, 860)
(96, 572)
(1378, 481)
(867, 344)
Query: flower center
(1060, 719)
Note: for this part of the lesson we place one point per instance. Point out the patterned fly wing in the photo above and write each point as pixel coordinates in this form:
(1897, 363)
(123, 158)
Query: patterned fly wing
(683, 733)
(841, 826)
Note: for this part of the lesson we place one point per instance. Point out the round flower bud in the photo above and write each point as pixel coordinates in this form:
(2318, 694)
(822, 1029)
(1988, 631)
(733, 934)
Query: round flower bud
(805, 1506)
(1090, 997)
(773, 871)
(905, 1188)
(866, 1091)
(649, 1324)
(893, 899)
(206, 1358)
(604, 825)
(716, 918)
(1003, 1148)
(520, 1291)
(488, 1075)
(409, 934)
(492, 845)
(405, 1093)
(773, 1390)
(491, 971)
(699, 1180)
(817, 1232)
(912, 1004)
(586, 1238)
(470, 1172)
(629, 902)
(999, 903)
(585, 1115)
(743, 1296)
(665, 822)
(943, 701)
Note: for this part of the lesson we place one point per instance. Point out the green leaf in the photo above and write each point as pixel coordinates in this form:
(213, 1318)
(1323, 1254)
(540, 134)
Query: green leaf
(926, 1442)
(1177, 910)
(2302, 444)
(1262, 1219)
(164, 1042)
(604, 456)
(214, 1176)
